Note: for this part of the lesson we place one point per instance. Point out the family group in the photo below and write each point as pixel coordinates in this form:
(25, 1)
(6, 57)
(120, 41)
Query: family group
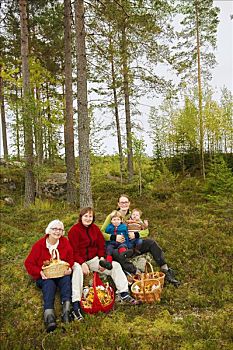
(88, 249)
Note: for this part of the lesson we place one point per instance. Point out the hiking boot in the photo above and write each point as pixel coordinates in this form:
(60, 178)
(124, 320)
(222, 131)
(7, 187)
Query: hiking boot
(77, 315)
(50, 321)
(127, 254)
(127, 299)
(66, 315)
(105, 264)
(170, 277)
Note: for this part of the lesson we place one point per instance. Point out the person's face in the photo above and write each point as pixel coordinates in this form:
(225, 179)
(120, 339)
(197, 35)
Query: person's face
(124, 203)
(87, 219)
(116, 221)
(135, 215)
(56, 232)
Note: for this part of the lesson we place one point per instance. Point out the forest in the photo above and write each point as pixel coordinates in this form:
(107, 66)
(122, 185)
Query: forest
(75, 77)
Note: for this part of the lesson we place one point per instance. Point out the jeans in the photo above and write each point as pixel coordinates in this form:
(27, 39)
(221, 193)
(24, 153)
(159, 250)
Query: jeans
(49, 287)
(148, 246)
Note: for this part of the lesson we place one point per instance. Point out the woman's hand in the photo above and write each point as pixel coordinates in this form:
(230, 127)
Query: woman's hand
(67, 272)
(43, 275)
(85, 269)
(120, 238)
(101, 269)
(131, 235)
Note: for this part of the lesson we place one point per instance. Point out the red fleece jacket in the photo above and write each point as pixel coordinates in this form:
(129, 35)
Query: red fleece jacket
(39, 253)
(87, 242)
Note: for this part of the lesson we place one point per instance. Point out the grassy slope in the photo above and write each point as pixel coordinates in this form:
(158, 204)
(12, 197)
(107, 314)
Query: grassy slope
(197, 238)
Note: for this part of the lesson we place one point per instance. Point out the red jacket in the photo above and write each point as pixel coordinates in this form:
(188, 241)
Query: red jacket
(39, 253)
(87, 242)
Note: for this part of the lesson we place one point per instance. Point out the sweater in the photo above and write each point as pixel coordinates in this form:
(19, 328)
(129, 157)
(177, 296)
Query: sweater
(87, 242)
(117, 230)
(39, 253)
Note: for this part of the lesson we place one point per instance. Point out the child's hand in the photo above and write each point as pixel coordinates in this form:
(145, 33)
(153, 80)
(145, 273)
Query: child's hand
(131, 235)
(120, 238)
(146, 223)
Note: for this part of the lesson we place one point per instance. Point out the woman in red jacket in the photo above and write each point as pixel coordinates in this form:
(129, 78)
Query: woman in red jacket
(41, 251)
(88, 245)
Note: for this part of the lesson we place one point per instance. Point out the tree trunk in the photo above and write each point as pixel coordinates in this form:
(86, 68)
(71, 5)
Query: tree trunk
(127, 105)
(69, 124)
(3, 117)
(202, 159)
(83, 118)
(29, 161)
(17, 123)
(116, 110)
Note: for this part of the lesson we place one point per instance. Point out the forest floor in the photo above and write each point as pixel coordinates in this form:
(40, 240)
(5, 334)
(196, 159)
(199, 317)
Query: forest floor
(196, 235)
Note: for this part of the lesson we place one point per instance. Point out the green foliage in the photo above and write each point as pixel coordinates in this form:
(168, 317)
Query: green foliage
(219, 180)
(196, 236)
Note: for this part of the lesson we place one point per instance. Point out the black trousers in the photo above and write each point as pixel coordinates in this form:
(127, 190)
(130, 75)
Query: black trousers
(148, 246)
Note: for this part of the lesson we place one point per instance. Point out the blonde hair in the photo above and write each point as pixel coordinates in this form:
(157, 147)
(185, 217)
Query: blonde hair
(116, 214)
(53, 224)
(138, 210)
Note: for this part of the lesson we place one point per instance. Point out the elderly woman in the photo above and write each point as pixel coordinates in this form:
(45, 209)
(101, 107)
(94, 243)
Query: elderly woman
(41, 252)
(88, 245)
(148, 245)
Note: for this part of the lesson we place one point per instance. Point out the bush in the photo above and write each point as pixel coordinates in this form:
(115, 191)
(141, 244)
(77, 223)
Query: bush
(219, 179)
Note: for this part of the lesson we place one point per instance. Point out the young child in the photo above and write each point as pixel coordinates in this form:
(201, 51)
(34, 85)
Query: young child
(117, 227)
(135, 223)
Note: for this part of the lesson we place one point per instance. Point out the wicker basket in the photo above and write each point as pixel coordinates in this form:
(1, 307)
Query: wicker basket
(146, 290)
(57, 267)
(150, 273)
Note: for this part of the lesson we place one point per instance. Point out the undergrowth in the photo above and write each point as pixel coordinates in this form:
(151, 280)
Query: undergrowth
(196, 235)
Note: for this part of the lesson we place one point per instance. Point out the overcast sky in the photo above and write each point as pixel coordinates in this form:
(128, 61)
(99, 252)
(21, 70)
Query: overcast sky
(223, 73)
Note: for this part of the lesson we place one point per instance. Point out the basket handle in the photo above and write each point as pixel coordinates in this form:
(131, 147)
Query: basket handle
(96, 282)
(148, 264)
(55, 254)
(143, 287)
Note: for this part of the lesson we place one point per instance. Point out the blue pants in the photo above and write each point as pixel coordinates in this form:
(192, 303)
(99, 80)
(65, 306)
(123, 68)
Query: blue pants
(49, 288)
(133, 243)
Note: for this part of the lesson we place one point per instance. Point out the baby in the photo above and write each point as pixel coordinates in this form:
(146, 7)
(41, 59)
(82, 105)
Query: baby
(135, 223)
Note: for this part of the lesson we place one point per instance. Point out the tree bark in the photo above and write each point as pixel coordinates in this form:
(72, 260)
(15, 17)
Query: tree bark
(69, 124)
(83, 118)
(127, 106)
(3, 117)
(29, 161)
(120, 151)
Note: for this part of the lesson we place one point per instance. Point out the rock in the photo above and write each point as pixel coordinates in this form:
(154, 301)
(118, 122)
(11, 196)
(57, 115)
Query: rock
(55, 186)
(140, 261)
(9, 201)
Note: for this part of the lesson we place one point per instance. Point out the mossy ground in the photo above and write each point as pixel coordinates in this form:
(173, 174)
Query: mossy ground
(196, 236)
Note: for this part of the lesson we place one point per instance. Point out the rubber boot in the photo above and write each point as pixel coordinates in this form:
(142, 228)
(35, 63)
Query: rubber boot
(50, 320)
(66, 314)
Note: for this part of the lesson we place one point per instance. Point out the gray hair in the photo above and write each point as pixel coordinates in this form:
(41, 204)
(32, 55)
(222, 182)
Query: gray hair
(53, 224)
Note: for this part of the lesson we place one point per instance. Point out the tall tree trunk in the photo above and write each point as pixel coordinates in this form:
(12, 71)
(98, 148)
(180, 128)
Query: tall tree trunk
(29, 161)
(83, 118)
(120, 151)
(127, 105)
(69, 124)
(3, 117)
(202, 159)
(17, 123)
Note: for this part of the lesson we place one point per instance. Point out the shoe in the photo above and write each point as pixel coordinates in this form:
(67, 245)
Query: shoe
(105, 264)
(127, 254)
(170, 277)
(127, 299)
(50, 322)
(66, 315)
(77, 315)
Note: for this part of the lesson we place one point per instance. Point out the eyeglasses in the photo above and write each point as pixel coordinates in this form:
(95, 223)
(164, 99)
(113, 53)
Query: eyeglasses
(57, 229)
(123, 202)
